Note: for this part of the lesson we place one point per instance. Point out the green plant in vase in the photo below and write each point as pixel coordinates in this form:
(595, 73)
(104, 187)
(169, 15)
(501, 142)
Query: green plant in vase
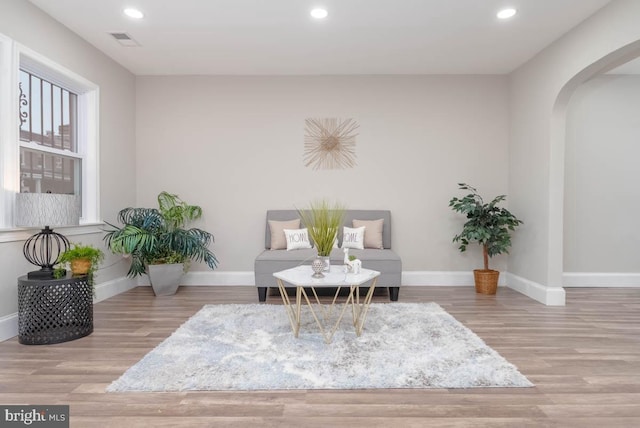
(157, 237)
(81, 260)
(323, 221)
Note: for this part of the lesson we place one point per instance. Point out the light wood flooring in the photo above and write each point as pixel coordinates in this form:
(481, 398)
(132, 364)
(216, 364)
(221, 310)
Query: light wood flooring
(584, 359)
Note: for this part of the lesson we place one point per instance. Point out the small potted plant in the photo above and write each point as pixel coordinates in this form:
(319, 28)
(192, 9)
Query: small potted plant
(81, 259)
(488, 225)
(323, 221)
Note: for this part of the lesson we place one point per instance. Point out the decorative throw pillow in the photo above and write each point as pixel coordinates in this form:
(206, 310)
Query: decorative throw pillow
(353, 237)
(372, 232)
(297, 238)
(278, 239)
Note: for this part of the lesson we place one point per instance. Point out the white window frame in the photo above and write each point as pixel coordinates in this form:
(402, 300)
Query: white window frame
(14, 56)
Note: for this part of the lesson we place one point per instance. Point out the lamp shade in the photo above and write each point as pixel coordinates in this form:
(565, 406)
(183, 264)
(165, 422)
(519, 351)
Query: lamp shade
(47, 209)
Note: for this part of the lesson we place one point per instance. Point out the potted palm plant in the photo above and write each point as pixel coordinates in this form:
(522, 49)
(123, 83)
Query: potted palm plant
(490, 226)
(323, 222)
(158, 242)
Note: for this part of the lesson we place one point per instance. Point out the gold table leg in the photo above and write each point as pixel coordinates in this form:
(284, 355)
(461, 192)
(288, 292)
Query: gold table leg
(292, 313)
(358, 309)
(364, 308)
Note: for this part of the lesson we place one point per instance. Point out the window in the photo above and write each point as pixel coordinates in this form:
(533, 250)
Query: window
(48, 131)
(49, 157)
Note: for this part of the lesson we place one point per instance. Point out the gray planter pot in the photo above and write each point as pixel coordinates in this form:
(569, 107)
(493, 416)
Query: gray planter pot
(165, 279)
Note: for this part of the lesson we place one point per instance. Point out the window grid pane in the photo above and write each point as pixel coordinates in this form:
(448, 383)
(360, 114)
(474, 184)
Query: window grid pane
(47, 113)
(48, 173)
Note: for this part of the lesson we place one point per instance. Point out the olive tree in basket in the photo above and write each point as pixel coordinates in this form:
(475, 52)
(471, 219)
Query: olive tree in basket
(490, 226)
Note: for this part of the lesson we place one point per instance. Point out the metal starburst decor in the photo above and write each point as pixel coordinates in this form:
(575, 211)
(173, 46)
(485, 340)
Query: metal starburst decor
(330, 143)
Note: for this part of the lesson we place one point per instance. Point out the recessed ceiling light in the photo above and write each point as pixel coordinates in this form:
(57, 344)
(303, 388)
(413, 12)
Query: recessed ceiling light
(133, 13)
(319, 13)
(506, 13)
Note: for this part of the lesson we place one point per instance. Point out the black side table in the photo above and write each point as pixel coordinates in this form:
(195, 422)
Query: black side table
(54, 310)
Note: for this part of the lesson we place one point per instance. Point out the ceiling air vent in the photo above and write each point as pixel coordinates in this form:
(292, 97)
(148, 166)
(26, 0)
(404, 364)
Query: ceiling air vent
(124, 39)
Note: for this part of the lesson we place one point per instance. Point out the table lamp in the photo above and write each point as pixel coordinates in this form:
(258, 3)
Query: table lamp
(46, 210)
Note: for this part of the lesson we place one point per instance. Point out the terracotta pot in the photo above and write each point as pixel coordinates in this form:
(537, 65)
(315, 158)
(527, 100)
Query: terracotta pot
(486, 280)
(80, 266)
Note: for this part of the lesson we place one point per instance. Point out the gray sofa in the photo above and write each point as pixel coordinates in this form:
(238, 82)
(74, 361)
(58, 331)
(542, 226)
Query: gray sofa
(385, 260)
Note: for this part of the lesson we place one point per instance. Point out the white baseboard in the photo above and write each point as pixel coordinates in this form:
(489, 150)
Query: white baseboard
(208, 278)
(247, 278)
(550, 296)
(597, 279)
(553, 296)
(113, 287)
(8, 327)
(220, 278)
(434, 278)
(441, 278)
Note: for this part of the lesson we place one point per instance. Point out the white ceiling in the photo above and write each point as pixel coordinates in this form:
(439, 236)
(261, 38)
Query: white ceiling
(278, 37)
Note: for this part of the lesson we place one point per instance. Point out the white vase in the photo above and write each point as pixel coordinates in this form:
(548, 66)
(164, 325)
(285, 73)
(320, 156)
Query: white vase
(327, 263)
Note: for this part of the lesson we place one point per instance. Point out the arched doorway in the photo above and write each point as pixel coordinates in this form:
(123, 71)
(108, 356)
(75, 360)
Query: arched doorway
(558, 148)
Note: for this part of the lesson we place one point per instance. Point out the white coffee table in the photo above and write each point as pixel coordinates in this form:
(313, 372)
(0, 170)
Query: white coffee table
(300, 277)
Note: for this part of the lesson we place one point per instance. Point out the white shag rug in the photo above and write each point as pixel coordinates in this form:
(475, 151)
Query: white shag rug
(251, 347)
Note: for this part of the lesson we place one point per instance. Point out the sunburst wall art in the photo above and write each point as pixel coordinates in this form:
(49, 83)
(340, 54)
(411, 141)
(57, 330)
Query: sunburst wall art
(330, 143)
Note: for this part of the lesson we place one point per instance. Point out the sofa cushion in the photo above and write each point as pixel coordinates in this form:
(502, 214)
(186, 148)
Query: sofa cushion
(372, 232)
(351, 215)
(297, 239)
(353, 237)
(278, 240)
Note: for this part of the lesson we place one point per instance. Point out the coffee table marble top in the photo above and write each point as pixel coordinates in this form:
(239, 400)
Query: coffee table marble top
(300, 276)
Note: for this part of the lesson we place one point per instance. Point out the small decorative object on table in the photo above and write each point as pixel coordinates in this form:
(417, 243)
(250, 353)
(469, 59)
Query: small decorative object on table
(317, 266)
(351, 263)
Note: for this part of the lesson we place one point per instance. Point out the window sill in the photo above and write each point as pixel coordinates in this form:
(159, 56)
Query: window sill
(22, 234)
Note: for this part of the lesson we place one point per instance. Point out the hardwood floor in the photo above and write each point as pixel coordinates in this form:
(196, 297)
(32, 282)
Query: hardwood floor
(584, 359)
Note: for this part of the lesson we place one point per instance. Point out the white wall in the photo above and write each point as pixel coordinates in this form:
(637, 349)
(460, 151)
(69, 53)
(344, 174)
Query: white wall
(234, 145)
(602, 176)
(539, 91)
(29, 26)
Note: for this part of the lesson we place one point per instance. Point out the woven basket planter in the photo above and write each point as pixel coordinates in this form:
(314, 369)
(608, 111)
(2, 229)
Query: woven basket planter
(486, 281)
(80, 266)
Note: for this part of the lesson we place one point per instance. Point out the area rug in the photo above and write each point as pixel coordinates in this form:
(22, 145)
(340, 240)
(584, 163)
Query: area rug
(251, 347)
